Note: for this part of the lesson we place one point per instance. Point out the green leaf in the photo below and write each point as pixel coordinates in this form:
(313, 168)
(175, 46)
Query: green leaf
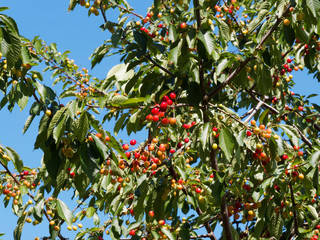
(172, 33)
(72, 5)
(291, 132)
(301, 33)
(314, 6)
(183, 173)
(204, 135)
(118, 100)
(120, 73)
(169, 234)
(222, 65)
(25, 54)
(264, 81)
(226, 142)
(10, 46)
(10, 23)
(256, 21)
(55, 119)
(142, 40)
(82, 127)
(315, 157)
(59, 129)
(89, 162)
(276, 225)
(18, 230)
(208, 41)
(64, 212)
(17, 162)
(224, 32)
(313, 211)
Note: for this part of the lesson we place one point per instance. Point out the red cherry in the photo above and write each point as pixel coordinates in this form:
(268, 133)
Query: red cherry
(300, 108)
(125, 147)
(183, 25)
(165, 121)
(143, 29)
(289, 60)
(132, 232)
(294, 174)
(180, 145)
(155, 111)
(172, 151)
(286, 66)
(249, 133)
(160, 25)
(149, 118)
(132, 212)
(215, 129)
(186, 140)
(133, 142)
(163, 106)
(155, 118)
(164, 98)
(128, 154)
(169, 101)
(198, 190)
(284, 157)
(173, 96)
(277, 188)
(151, 213)
(137, 155)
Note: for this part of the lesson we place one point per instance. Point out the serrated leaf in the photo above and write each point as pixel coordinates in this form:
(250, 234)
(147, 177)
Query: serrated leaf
(291, 132)
(82, 127)
(314, 6)
(18, 230)
(204, 135)
(276, 225)
(55, 119)
(17, 162)
(72, 5)
(313, 211)
(169, 234)
(226, 143)
(222, 65)
(315, 157)
(182, 173)
(64, 212)
(28, 123)
(89, 161)
(224, 32)
(208, 41)
(257, 20)
(264, 81)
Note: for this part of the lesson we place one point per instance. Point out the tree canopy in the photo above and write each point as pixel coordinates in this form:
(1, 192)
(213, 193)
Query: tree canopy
(209, 83)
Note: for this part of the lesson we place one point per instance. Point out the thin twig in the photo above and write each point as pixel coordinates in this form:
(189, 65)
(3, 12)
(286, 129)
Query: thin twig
(296, 230)
(159, 66)
(103, 12)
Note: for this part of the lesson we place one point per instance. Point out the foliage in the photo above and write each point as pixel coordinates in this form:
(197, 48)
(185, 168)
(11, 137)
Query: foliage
(188, 69)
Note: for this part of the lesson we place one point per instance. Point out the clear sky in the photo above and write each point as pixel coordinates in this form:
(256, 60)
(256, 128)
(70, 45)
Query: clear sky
(76, 32)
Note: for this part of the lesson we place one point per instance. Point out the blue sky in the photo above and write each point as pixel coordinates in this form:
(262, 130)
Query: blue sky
(76, 32)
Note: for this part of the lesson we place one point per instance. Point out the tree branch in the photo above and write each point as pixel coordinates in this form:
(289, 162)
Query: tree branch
(159, 66)
(255, 110)
(247, 60)
(296, 230)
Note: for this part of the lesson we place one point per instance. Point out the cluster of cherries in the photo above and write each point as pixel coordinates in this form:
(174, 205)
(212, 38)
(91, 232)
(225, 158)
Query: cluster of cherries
(159, 110)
